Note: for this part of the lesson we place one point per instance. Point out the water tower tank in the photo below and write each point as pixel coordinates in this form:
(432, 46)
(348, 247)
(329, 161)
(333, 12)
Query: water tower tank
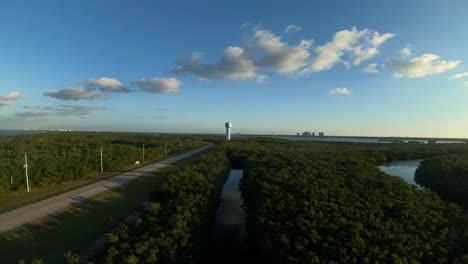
(228, 126)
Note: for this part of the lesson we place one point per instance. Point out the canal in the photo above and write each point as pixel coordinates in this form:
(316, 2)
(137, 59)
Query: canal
(229, 231)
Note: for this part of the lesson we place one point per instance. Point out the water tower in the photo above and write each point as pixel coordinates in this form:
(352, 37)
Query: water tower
(228, 126)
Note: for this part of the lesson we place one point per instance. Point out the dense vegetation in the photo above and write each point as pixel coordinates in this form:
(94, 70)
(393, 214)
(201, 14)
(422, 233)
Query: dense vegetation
(59, 157)
(447, 176)
(316, 203)
(175, 230)
(306, 202)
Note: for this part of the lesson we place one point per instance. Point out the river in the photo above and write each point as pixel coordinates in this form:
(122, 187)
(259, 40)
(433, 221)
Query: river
(404, 169)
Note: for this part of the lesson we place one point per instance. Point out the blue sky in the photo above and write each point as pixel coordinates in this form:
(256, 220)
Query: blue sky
(369, 68)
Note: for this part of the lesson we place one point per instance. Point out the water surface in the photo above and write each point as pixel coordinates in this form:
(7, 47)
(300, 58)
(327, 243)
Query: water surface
(404, 169)
(364, 139)
(19, 132)
(229, 231)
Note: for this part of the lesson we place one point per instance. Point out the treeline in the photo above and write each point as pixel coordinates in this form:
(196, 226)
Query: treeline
(175, 230)
(447, 176)
(59, 157)
(316, 203)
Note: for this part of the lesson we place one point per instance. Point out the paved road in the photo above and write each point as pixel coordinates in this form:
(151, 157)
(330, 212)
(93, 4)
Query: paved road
(33, 212)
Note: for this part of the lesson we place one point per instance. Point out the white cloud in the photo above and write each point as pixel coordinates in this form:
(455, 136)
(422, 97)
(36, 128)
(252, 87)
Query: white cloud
(159, 85)
(330, 53)
(235, 64)
(9, 98)
(371, 68)
(359, 45)
(426, 64)
(278, 55)
(339, 91)
(459, 75)
(106, 85)
(4, 103)
(13, 96)
(360, 54)
(406, 52)
(378, 39)
(77, 93)
(292, 28)
(265, 50)
(466, 84)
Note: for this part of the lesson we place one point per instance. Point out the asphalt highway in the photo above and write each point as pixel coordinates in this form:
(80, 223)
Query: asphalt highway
(33, 212)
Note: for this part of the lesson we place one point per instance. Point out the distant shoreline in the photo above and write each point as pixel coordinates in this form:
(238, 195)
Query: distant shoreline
(12, 132)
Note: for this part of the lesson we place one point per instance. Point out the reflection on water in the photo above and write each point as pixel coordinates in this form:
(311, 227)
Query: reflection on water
(404, 169)
(229, 230)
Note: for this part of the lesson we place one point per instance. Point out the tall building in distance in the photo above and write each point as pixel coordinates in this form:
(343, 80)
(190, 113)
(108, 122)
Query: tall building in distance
(228, 126)
(321, 134)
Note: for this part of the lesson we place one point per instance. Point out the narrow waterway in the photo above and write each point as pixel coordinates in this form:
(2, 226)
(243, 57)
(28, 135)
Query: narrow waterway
(404, 169)
(229, 231)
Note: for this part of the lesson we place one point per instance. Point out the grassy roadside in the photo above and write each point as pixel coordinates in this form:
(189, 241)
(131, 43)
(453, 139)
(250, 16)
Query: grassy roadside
(21, 198)
(49, 239)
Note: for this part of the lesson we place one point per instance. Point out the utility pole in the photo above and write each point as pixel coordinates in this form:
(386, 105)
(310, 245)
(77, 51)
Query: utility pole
(11, 180)
(26, 170)
(143, 152)
(102, 169)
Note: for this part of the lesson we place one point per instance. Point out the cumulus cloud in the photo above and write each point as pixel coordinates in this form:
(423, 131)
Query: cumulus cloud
(371, 68)
(267, 50)
(361, 54)
(339, 91)
(159, 85)
(292, 28)
(4, 103)
(106, 85)
(406, 52)
(378, 39)
(330, 53)
(13, 96)
(77, 93)
(459, 75)
(235, 64)
(9, 98)
(278, 55)
(359, 45)
(425, 65)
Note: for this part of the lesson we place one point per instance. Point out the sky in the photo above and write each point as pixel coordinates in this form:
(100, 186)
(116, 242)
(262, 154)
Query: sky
(347, 68)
